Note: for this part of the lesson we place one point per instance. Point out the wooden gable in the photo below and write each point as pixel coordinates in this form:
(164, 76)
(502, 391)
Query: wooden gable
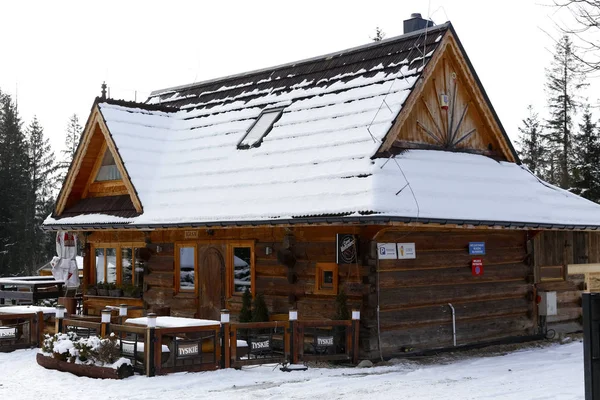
(448, 110)
(81, 182)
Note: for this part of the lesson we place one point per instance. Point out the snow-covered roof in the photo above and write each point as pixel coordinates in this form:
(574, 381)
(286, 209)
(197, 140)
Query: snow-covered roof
(318, 159)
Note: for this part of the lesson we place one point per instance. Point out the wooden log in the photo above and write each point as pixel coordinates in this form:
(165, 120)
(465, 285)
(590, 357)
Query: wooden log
(445, 259)
(160, 279)
(439, 336)
(441, 313)
(455, 275)
(398, 297)
(90, 371)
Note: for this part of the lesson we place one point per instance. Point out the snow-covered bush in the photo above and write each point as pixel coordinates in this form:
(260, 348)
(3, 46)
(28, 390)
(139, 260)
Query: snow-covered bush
(91, 351)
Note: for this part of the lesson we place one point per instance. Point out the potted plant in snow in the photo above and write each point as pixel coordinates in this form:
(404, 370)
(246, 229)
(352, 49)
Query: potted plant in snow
(102, 289)
(114, 290)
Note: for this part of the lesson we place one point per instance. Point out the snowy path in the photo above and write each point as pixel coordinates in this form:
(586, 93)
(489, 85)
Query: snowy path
(554, 372)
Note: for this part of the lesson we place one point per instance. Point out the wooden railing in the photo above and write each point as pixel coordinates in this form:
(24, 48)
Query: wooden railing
(326, 341)
(21, 331)
(194, 348)
(159, 351)
(258, 343)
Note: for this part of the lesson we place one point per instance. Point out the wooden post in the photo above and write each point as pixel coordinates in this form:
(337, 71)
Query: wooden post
(40, 329)
(233, 346)
(150, 344)
(355, 334)
(293, 317)
(225, 339)
(105, 323)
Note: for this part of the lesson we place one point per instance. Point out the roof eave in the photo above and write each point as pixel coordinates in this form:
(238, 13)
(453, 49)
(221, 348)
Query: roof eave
(356, 220)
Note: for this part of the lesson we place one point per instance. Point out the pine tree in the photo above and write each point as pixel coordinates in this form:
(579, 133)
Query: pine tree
(260, 312)
(564, 79)
(379, 35)
(587, 165)
(531, 142)
(246, 311)
(14, 184)
(42, 170)
(72, 137)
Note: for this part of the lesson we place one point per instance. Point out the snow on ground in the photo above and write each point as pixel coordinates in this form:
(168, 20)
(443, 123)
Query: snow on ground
(553, 372)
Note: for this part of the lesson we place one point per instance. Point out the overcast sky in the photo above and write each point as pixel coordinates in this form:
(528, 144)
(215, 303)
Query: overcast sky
(55, 54)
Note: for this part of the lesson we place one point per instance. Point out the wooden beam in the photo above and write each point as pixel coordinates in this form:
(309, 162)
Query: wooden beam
(76, 164)
(120, 166)
(577, 269)
(414, 96)
(94, 172)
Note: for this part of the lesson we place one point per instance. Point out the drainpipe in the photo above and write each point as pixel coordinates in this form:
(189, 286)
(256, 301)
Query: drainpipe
(453, 323)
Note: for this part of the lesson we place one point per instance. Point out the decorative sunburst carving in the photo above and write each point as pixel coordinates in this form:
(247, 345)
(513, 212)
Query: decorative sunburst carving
(446, 128)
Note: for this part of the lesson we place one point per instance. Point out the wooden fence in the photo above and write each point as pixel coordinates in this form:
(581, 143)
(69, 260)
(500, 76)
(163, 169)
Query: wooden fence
(159, 351)
(21, 331)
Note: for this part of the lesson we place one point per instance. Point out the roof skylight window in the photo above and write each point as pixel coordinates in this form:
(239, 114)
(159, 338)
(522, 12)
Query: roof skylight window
(261, 127)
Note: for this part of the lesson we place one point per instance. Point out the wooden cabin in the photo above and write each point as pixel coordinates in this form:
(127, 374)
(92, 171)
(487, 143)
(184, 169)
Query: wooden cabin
(381, 171)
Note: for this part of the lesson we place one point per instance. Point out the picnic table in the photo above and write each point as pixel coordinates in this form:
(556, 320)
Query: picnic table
(30, 289)
(173, 322)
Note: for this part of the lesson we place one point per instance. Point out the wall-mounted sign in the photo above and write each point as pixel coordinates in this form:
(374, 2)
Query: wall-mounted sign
(347, 248)
(387, 251)
(406, 251)
(8, 333)
(477, 267)
(476, 248)
(191, 234)
(187, 350)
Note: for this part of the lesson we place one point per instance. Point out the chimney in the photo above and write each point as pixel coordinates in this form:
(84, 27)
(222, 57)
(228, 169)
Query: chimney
(103, 96)
(415, 23)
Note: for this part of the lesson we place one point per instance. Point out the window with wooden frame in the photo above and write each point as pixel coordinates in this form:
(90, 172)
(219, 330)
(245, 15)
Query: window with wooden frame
(106, 178)
(326, 278)
(119, 263)
(108, 171)
(240, 268)
(186, 268)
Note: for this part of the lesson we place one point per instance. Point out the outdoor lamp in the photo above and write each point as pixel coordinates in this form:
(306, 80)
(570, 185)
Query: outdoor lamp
(355, 314)
(60, 311)
(293, 315)
(224, 316)
(123, 310)
(105, 316)
(151, 320)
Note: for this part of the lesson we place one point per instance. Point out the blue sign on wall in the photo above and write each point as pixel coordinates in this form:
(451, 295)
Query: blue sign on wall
(476, 248)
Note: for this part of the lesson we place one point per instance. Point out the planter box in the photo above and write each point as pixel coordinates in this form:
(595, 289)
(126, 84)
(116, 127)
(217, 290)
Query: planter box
(115, 293)
(102, 292)
(91, 371)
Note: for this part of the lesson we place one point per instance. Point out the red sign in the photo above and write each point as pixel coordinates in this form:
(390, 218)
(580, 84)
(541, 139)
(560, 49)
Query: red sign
(477, 267)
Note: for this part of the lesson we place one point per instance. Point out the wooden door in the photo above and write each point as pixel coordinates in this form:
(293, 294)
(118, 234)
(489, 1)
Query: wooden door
(211, 271)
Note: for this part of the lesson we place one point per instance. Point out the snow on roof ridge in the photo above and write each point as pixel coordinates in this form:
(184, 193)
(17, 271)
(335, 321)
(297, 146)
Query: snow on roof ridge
(405, 36)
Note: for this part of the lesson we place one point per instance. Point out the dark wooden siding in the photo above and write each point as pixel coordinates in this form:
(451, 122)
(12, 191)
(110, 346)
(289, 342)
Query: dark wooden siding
(554, 251)
(414, 294)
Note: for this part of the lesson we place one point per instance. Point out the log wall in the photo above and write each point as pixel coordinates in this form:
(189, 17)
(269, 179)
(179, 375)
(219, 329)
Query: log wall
(414, 294)
(311, 246)
(554, 251)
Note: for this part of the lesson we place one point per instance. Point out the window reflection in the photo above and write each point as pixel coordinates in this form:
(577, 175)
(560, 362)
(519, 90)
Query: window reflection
(186, 268)
(242, 269)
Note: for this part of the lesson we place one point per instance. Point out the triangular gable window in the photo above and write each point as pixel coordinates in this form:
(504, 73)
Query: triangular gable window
(108, 170)
(261, 127)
